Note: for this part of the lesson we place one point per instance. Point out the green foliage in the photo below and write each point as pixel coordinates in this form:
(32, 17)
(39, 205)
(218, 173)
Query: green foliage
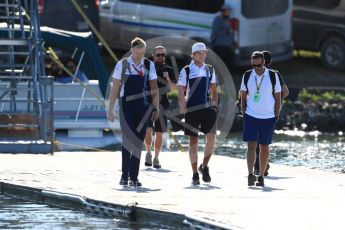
(306, 54)
(173, 95)
(307, 96)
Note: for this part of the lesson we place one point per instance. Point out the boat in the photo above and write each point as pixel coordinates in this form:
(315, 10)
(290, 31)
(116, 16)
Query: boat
(79, 116)
(79, 111)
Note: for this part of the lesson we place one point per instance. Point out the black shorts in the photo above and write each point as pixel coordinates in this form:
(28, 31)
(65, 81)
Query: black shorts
(204, 120)
(160, 124)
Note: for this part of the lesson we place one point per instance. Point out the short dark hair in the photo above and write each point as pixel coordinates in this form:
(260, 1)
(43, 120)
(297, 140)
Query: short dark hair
(257, 54)
(67, 60)
(138, 42)
(71, 59)
(267, 56)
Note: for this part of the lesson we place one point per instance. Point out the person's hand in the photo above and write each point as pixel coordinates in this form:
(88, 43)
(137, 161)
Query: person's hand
(155, 115)
(166, 75)
(111, 116)
(214, 108)
(277, 117)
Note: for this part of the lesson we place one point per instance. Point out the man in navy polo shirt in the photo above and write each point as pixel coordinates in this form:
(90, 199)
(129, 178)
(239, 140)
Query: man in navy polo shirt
(260, 109)
(198, 101)
(131, 78)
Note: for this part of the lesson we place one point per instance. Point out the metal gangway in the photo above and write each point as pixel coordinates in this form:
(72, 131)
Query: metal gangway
(26, 94)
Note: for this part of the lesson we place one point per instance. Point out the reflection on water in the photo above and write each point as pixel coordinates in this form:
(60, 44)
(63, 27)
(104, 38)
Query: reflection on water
(19, 214)
(294, 148)
(314, 150)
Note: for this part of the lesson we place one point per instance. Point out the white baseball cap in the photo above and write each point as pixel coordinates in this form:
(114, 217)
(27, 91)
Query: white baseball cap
(199, 46)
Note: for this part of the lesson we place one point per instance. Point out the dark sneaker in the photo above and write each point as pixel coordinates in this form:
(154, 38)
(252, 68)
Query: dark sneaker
(124, 180)
(134, 183)
(251, 179)
(205, 173)
(256, 171)
(156, 163)
(195, 179)
(267, 168)
(260, 181)
(148, 159)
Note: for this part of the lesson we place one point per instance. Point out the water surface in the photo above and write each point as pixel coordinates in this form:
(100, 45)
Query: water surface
(20, 214)
(294, 148)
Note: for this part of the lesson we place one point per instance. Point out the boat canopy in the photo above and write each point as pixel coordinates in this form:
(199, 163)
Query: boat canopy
(92, 63)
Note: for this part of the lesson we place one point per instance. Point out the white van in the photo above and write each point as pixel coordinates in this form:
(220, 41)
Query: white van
(258, 24)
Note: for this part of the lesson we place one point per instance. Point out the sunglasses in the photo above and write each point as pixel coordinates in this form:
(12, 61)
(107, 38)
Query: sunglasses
(160, 55)
(258, 65)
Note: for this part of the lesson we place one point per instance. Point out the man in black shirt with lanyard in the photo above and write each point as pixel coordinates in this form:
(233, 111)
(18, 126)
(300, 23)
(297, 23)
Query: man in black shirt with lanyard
(166, 81)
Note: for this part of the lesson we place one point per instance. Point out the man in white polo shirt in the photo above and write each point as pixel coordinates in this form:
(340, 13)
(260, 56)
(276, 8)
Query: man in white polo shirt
(260, 104)
(198, 101)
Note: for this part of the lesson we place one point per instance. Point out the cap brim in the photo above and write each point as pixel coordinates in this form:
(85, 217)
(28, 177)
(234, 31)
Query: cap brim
(200, 50)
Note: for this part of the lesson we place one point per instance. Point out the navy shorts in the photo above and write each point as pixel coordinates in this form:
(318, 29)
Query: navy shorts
(258, 130)
(160, 125)
(204, 120)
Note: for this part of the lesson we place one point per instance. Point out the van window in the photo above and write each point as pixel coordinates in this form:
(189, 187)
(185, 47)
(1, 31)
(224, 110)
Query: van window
(204, 6)
(264, 8)
(322, 4)
(66, 6)
(58, 7)
(303, 3)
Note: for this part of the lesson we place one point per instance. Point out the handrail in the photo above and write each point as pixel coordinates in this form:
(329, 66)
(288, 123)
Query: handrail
(25, 34)
(79, 63)
(43, 105)
(79, 106)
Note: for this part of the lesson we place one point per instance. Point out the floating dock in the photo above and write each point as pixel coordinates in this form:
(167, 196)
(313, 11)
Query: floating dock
(293, 198)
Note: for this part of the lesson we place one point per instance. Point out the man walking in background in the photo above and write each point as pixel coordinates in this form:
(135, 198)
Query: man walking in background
(222, 37)
(166, 81)
(260, 110)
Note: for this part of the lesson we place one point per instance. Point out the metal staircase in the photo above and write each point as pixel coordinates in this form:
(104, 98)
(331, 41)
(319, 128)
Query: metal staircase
(26, 94)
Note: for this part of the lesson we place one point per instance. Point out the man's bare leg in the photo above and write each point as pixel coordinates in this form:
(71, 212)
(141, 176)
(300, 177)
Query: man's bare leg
(148, 143)
(193, 152)
(209, 148)
(158, 148)
(251, 151)
(264, 153)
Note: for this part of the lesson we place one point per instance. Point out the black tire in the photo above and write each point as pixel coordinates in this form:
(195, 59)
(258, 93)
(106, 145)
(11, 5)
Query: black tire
(333, 54)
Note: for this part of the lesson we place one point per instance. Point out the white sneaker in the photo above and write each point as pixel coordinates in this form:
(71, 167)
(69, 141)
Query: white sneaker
(148, 159)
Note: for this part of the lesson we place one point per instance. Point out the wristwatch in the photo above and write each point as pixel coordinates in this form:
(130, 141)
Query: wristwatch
(214, 107)
(156, 110)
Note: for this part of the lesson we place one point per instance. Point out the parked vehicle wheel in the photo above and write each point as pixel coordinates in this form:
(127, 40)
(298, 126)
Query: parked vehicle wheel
(333, 54)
